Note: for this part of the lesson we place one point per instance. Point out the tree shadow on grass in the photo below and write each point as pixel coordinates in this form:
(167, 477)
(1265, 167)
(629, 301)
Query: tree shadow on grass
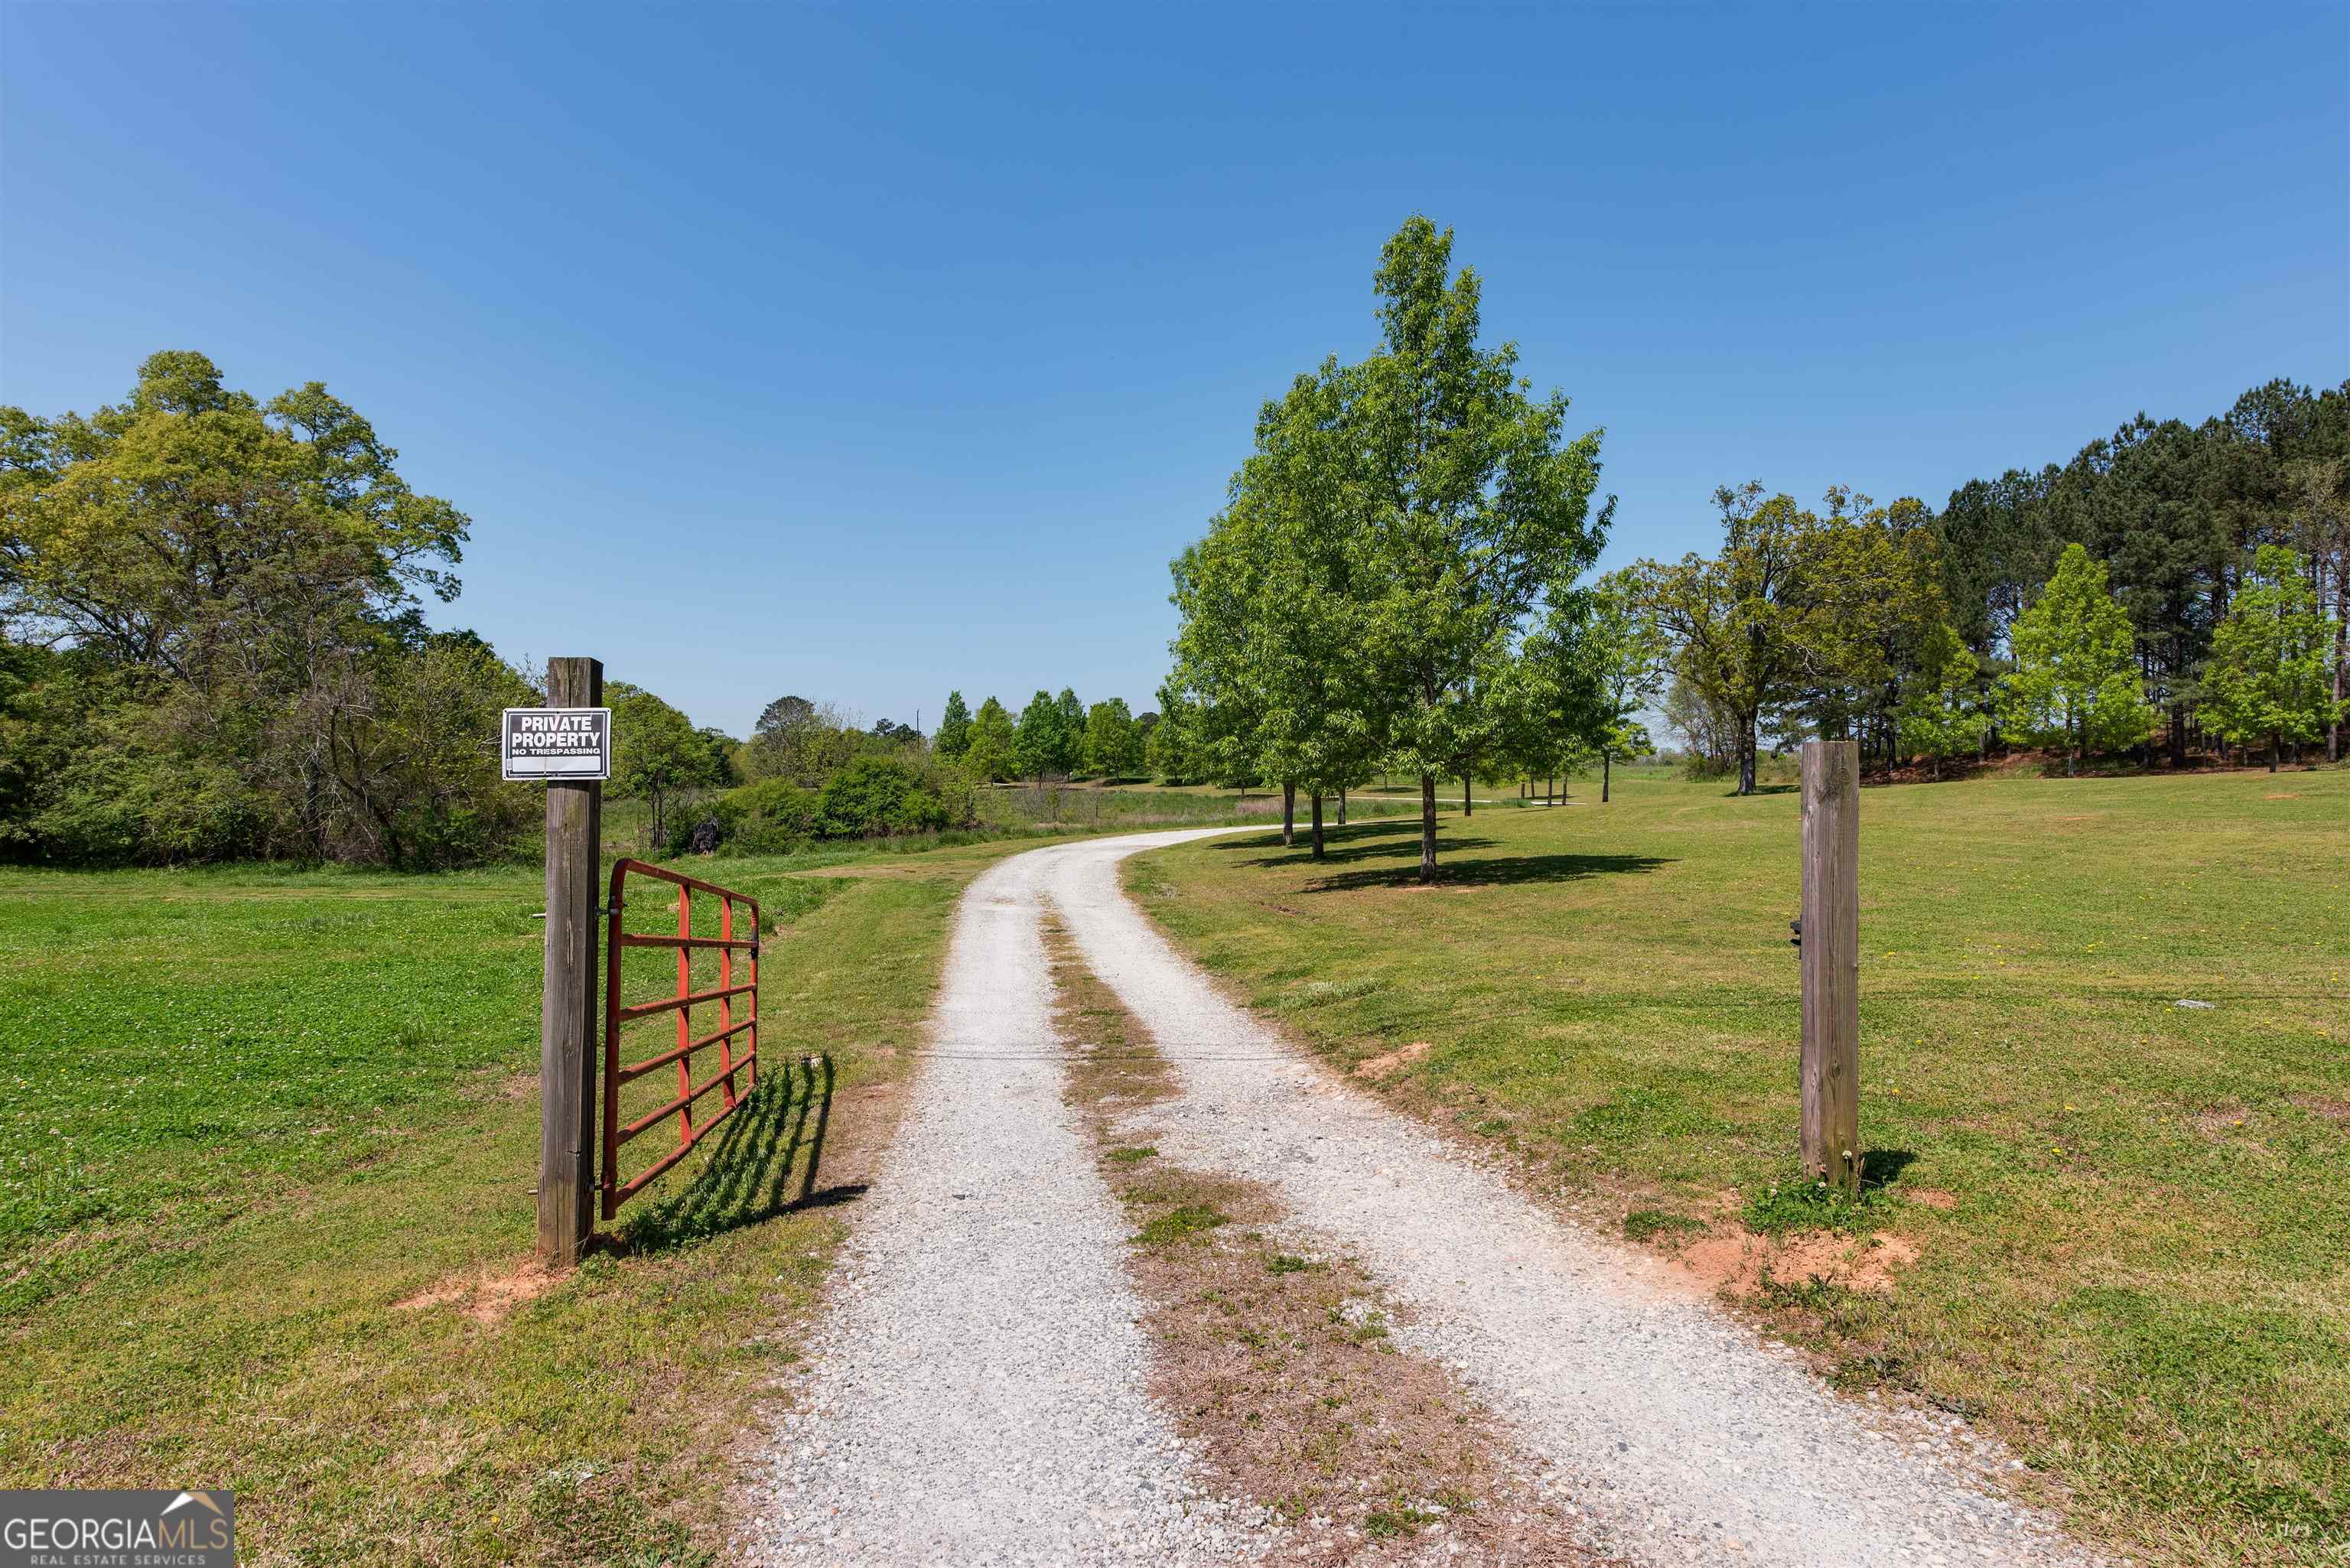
(1367, 841)
(754, 1171)
(1401, 867)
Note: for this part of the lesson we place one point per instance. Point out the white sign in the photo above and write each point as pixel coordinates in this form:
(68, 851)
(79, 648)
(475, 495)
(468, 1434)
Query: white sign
(558, 743)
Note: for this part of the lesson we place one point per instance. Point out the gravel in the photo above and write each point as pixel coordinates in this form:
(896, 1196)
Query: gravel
(1683, 1440)
(978, 1384)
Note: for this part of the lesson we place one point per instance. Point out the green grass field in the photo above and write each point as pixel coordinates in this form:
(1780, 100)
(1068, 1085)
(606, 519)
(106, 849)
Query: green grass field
(249, 1111)
(2134, 1235)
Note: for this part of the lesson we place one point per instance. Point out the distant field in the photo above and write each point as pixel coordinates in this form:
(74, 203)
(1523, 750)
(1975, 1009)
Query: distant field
(249, 1111)
(1127, 807)
(2133, 1219)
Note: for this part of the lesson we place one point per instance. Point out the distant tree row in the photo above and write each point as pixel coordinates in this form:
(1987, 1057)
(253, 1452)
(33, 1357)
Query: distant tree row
(1054, 737)
(2186, 579)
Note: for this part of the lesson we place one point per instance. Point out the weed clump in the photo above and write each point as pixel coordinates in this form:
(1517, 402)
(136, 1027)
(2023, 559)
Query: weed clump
(1814, 1205)
(1182, 1224)
(1653, 1224)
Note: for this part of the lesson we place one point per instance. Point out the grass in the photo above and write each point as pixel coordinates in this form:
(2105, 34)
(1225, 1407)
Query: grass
(2134, 1218)
(265, 1212)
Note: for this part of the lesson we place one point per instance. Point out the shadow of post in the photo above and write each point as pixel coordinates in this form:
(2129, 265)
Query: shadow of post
(777, 1133)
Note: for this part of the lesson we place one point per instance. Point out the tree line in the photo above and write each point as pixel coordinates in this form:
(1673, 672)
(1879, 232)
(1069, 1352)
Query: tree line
(2172, 586)
(1397, 581)
(213, 647)
(1053, 737)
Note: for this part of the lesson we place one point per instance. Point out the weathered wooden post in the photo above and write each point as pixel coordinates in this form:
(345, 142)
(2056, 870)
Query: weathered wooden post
(1831, 959)
(566, 1055)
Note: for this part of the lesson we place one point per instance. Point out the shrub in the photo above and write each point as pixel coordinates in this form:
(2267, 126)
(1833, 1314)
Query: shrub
(876, 796)
(773, 817)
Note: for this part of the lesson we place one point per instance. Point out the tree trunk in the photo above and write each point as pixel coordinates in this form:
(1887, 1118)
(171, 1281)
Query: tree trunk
(2341, 651)
(2276, 744)
(1468, 807)
(1427, 827)
(1746, 745)
(1605, 757)
(1317, 825)
(1342, 808)
(1288, 813)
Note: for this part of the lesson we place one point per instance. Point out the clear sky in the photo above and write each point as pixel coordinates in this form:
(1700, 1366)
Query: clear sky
(865, 353)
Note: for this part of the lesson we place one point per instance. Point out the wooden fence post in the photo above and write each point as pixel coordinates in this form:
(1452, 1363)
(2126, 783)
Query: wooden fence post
(1831, 961)
(566, 1048)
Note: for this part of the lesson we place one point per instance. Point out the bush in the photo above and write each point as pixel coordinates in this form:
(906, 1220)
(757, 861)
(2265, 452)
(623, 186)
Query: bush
(773, 817)
(876, 796)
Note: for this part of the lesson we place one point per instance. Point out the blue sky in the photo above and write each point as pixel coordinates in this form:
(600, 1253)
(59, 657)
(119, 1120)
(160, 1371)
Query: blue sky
(863, 353)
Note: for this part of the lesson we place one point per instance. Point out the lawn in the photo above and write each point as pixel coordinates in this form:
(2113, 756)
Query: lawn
(264, 1205)
(2132, 1218)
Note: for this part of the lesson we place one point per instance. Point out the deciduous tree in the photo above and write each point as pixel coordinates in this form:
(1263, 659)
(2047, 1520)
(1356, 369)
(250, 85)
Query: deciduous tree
(953, 738)
(2269, 675)
(992, 755)
(2076, 682)
(1475, 499)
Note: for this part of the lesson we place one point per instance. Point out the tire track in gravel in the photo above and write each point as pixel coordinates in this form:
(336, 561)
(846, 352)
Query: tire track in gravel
(1687, 1442)
(976, 1391)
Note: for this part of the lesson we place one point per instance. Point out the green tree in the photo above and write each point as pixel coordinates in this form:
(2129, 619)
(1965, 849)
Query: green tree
(1878, 583)
(656, 753)
(1943, 715)
(1112, 747)
(1473, 499)
(1169, 754)
(190, 528)
(1268, 638)
(953, 738)
(2076, 682)
(1600, 663)
(1742, 624)
(993, 754)
(802, 740)
(2271, 672)
(238, 586)
(1038, 742)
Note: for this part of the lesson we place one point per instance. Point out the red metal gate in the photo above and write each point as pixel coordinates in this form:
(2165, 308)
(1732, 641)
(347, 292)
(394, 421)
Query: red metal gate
(726, 944)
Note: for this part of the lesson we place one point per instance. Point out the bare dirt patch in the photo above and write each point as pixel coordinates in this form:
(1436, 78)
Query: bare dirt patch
(1393, 1062)
(1934, 1198)
(2219, 1121)
(486, 1296)
(2332, 1107)
(1728, 1260)
(1275, 1351)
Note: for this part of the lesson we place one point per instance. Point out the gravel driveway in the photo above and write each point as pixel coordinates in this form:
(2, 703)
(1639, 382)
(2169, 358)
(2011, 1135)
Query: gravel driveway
(978, 1395)
(1687, 1439)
